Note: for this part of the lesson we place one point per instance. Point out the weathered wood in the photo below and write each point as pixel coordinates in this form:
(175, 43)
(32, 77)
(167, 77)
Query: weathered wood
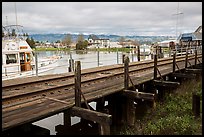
(67, 118)
(155, 66)
(130, 111)
(123, 58)
(139, 95)
(126, 71)
(160, 74)
(36, 64)
(104, 129)
(174, 62)
(183, 75)
(87, 114)
(138, 53)
(196, 56)
(196, 105)
(186, 61)
(165, 83)
(77, 79)
(196, 71)
(100, 104)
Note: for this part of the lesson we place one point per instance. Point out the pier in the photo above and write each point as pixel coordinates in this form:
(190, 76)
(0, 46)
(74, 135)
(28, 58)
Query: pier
(26, 100)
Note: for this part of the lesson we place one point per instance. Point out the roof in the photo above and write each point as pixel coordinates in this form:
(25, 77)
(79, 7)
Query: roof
(197, 35)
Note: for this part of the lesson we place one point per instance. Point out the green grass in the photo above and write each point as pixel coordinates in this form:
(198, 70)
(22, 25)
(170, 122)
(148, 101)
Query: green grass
(173, 116)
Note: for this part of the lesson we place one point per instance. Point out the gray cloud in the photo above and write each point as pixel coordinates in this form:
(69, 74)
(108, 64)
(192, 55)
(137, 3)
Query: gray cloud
(122, 18)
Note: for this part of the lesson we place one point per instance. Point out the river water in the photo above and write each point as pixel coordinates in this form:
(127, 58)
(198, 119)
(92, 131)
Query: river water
(88, 59)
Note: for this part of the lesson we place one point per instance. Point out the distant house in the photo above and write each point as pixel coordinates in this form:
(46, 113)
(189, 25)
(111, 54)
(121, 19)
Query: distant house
(95, 42)
(168, 44)
(191, 39)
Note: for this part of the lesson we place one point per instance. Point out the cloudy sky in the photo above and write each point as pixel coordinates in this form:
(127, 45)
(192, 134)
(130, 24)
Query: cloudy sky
(120, 18)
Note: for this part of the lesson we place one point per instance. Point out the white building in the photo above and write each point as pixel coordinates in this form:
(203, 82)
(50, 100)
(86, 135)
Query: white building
(95, 42)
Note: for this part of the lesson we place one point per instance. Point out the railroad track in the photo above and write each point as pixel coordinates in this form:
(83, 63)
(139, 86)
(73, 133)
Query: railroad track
(65, 83)
(20, 95)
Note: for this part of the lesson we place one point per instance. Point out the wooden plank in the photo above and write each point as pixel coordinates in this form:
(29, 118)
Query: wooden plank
(139, 95)
(91, 115)
(165, 83)
(183, 75)
(196, 71)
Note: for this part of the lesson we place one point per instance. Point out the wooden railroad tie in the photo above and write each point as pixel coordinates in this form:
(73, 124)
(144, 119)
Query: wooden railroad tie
(165, 83)
(104, 120)
(183, 75)
(139, 95)
(195, 71)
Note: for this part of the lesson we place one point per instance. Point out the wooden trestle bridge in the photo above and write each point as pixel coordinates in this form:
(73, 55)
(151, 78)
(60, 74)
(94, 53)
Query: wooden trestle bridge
(26, 100)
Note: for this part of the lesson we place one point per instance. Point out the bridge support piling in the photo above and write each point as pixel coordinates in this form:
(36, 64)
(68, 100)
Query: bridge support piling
(196, 105)
(77, 79)
(155, 66)
(130, 109)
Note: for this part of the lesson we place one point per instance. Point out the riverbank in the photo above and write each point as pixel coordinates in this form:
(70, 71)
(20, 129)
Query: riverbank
(173, 116)
(93, 49)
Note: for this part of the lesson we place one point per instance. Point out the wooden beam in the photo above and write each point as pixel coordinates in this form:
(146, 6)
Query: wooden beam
(126, 71)
(77, 78)
(165, 83)
(139, 95)
(174, 61)
(196, 71)
(183, 75)
(91, 115)
(155, 66)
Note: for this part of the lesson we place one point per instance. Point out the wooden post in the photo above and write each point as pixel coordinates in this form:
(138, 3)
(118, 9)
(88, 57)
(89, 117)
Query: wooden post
(130, 112)
(123, 58)
(155, 66)
(126, 71)
(138, 53)
(98, 56)
(130, 109)
(67, 118)
(70, 66)
(186, 62)
(72, 62)
(117, 57)
(100, 104)
(104, 120)
(196, 105)
(77, 78)
(36, 64)
(174, 61)
(104, 129)
(195, 57)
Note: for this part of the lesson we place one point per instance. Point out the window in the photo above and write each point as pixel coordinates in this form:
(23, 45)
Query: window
(11, 58)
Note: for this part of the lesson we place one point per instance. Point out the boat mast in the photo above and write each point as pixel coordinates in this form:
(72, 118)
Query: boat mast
(16, 14)
(177, 14)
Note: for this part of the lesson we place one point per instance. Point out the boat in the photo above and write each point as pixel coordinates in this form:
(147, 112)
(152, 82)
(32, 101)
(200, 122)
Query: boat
(18, 58)
(17, 55)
